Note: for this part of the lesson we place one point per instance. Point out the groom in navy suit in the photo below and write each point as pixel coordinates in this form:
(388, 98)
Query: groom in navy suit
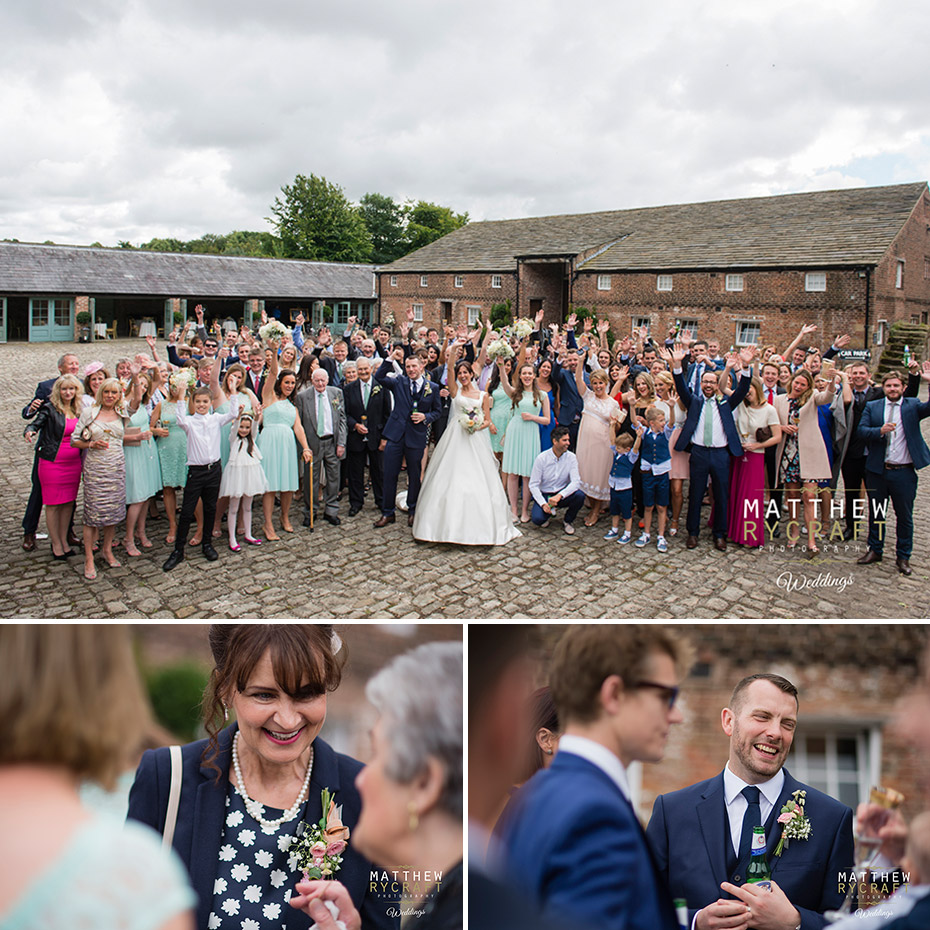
(710, 435)
(416, 405)
(574, 842)
(701, 835)
(896, 450)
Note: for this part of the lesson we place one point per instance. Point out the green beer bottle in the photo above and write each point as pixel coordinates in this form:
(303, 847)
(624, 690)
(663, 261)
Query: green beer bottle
(758, 870)
(681, 912)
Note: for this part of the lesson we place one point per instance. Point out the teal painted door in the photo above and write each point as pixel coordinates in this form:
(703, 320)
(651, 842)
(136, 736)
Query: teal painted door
(51, 320)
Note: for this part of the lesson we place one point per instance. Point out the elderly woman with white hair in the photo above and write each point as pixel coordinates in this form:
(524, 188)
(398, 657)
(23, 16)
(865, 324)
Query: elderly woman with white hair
(411, 793)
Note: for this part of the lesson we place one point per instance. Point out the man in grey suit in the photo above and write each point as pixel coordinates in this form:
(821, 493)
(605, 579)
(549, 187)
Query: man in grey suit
(323, 416)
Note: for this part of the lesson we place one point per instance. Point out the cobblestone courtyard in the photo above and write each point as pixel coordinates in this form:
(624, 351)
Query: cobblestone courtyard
(359, 572)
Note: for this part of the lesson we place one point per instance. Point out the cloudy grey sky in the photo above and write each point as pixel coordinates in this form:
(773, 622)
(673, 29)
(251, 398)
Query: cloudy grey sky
(128, 119)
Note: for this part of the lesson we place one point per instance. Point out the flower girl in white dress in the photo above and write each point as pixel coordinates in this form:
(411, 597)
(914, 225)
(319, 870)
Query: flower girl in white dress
(462, 499)
(243, 477)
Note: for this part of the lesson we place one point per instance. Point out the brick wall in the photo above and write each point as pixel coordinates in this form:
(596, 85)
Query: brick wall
(542, 281)
(476, 291)
(777, 300)
(848, 675)
(912, 246)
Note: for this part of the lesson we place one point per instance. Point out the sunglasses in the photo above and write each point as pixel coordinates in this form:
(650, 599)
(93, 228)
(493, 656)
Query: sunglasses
(669, 695)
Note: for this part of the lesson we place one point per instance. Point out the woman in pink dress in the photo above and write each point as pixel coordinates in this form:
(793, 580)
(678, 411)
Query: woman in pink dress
(59, 463)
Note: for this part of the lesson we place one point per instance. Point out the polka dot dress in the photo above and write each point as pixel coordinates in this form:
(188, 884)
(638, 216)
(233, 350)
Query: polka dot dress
(256, 874)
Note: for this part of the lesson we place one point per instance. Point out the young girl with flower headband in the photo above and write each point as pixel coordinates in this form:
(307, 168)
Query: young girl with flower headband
(243, 477)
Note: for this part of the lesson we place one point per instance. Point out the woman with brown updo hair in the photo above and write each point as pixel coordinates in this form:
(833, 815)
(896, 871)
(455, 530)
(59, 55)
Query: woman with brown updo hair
(246, 789)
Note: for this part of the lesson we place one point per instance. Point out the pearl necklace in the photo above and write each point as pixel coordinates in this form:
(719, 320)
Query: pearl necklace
(254, 807)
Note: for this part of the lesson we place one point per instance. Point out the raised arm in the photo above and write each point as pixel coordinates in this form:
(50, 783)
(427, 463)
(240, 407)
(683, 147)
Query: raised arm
(218, 395)
(452, 356)
(271, 377)
(579, 373)
(505, 381)
(806, 330)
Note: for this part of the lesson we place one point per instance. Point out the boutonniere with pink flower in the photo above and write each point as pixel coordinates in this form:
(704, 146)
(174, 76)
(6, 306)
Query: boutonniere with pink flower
(318, 849)
(795, 825)
(428, 389)
(336, 400)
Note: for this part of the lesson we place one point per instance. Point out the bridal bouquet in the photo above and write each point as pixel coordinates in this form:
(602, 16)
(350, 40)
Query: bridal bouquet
(272, 330)
(318, 849)
(499, 350)
(472, 419)
(522, 328)
(183, 376)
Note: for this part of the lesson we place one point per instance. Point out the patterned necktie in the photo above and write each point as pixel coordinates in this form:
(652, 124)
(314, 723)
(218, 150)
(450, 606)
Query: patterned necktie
(320, 419)
(709, 422)
(752, 818)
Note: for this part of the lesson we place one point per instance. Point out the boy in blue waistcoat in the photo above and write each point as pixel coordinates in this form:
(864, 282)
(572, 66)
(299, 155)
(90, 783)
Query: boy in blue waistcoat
(626, 452)
(655, 464)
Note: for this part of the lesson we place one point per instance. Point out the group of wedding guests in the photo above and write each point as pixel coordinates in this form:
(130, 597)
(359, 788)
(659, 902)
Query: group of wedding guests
(757, 436)
(259, 826)
(555, 837)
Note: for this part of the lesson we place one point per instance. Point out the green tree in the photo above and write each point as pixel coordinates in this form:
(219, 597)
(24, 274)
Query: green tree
(315, 220)
(386, 223)
(427, 222)
(501, 315)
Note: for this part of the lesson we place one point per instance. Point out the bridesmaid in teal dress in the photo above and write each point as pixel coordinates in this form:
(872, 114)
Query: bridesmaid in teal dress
(143, 469)
(277, 442)
(544, 380)
(530, 410)
(500, 411)
(233, 382)
(171, 443)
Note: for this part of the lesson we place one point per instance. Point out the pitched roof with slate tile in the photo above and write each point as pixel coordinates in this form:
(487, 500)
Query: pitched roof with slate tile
(56, 269)
(823, 228)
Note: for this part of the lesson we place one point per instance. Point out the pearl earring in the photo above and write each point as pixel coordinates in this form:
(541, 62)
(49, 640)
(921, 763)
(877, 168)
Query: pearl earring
(225, 713)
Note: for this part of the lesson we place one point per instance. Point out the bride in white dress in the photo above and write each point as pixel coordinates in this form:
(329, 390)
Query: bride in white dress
(462, 499)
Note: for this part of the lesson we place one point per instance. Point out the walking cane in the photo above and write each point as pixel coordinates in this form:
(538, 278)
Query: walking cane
(309, 466)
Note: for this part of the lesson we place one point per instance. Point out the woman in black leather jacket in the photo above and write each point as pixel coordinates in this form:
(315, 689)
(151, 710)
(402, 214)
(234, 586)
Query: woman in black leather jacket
(59, 462)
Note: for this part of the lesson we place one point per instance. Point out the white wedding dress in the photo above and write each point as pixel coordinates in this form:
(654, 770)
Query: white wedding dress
(462, 499)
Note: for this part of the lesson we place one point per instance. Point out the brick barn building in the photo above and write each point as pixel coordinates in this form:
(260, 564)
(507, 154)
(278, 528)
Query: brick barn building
(44, 287)
(744, 271)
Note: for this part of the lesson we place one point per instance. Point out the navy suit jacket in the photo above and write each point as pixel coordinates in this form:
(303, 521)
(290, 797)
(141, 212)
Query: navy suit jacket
(399, 427)
(575, 845)
(689, 833)
(725, 407)
(202, 812)
(43, 393)
(917, 919)
(912, 412)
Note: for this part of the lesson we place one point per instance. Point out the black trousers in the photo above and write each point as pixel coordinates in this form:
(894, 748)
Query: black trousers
(203, 483)
(34, 507)
(355, 464)
(853, 476)
(771, 481)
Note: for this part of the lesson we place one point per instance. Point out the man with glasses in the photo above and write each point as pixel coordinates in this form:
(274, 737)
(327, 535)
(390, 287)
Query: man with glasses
(574, 841)
(701, 835)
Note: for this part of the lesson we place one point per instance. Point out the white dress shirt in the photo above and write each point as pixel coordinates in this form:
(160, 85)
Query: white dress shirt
(597, 754)
(554, 475)
(203, 431)
(896, 450)
(737, 804)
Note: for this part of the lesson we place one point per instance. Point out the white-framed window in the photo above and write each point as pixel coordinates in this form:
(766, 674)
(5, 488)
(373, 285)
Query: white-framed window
(748, 332)
(815, 281)
(424, 280)
(418, 313)
(899, 274)
(496, 280)
(393, 280)
(638, 322)
(459, 281)
(734, 282)
(689, 326)
(841, 761)
(473, 315)
(663, 282)
(342, 313)
(603, 282)
(926, 269)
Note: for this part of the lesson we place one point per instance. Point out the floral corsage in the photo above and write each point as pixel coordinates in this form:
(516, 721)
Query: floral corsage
(318, 849)
(795, 825)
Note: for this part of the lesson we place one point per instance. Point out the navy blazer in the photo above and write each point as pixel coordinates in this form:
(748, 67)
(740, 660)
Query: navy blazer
(689, 833)
(202, 812)
(725, 408)
(873, 417)
(399, 427)
(43, 393)
(575, 844)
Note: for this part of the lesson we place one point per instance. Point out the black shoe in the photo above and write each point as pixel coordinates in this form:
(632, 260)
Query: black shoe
(776, 532)
(329, 518)
(849, 534)
(209, 553)
(307, 520)
(173, 560)
(869, 558)
(354, 510)
(904, 566)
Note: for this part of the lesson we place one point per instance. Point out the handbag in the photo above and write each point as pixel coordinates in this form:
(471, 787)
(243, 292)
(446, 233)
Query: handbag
(174, 796)
(763, 434)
